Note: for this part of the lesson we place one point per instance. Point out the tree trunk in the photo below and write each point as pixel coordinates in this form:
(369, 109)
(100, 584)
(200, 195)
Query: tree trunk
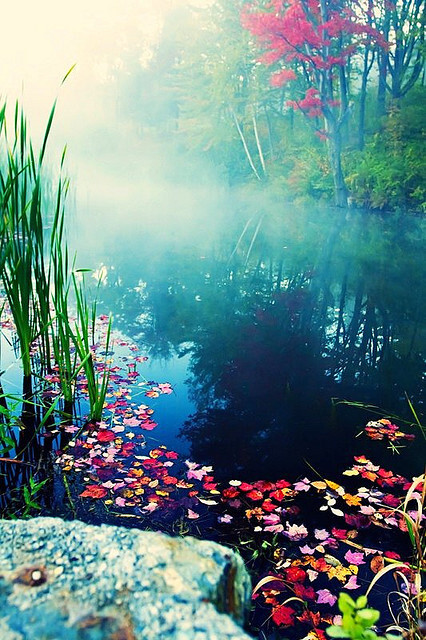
(344, 104)
(334, 146)
(382, 58)
(363, 96)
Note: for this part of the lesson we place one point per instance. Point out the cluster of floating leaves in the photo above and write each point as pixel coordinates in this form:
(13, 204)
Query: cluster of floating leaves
(385, 430)
(312, 538)
(307, 562)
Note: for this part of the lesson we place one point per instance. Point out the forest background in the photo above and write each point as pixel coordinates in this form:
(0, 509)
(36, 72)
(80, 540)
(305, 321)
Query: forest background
(318, 100)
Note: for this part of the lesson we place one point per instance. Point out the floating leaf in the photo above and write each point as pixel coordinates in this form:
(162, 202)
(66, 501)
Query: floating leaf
(93, 491)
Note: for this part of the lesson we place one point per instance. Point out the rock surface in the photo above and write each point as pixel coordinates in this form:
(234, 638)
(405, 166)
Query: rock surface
(72, 581)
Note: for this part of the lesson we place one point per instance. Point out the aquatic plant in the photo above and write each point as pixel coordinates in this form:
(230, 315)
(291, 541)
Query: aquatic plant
(25, 260)
(357, 620)
(97, 381)
(61, 334)
(20, 233)
(36, 272)
(409, 577)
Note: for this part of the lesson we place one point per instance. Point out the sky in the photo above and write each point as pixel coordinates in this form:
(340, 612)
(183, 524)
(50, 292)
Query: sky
(119, 180)
(41, 40)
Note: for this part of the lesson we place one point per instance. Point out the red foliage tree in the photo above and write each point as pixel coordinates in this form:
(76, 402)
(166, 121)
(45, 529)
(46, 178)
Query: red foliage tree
(314, 39)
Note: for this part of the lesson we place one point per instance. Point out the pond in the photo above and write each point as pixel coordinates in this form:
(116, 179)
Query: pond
(264, 322)
(250, 349)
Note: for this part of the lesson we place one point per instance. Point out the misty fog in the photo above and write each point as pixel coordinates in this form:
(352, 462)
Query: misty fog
(129, 178)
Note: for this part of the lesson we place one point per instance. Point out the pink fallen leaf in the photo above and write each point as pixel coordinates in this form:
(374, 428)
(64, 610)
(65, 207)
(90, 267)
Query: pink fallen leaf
(196, 474)
(306, 549)
(271, 519)
(302, 485)
(118, 428)
(351, 583)
(326, 597)
(275, 528)
(321, 534)
(192, 515)
(165, 387)
(148, 425)
(149, 508)
(296, 532)
(354, 557)
(131, 422)
(225, 519)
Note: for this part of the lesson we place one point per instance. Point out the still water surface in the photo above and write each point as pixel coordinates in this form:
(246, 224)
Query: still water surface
(261, 321)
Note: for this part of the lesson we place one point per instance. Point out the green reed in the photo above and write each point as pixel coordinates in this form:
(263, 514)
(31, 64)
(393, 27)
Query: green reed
(35, 270)
(20, 209)
(97, 381)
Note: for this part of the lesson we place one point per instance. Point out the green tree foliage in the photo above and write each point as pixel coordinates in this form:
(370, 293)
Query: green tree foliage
(389, 173)
(221, 93)
(206, 87)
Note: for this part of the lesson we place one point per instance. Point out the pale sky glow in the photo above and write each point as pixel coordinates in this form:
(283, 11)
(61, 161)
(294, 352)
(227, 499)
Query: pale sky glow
(116, 174)
(42, 39)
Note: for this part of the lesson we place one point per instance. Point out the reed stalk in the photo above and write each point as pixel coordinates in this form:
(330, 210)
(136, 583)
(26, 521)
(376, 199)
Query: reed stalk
(35, 271)
(97, 381)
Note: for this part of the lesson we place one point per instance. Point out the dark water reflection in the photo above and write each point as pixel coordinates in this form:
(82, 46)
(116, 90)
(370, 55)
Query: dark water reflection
(274, 320)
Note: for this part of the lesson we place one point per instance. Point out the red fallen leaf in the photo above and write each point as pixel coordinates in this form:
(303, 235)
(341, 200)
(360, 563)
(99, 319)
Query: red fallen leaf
(295, 574)
(282, 484)
(154, 498)
(93, 491)
(278, 495)
(171, 455)
(357, 521)
(310, 617)
(105, 474)
(210, 486)
(152, 464)
(384, 474)
(368, 475)
(127, 449)
(392, 555)
(340, 534)
(305, 593)
(320, 565)
(293, 510)
(268, 506)
(244, 486)
(388, 482)
(106, 436)
(170, 480)
(255, 495)
(99, 462)
(263, 485)
(390, 500)
(230, 492)
(283, 615)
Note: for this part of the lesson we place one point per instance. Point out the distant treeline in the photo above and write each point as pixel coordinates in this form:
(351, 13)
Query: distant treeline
(321, 99)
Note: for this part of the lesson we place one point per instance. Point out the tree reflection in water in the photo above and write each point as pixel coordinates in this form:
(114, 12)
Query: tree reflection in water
(315, 309)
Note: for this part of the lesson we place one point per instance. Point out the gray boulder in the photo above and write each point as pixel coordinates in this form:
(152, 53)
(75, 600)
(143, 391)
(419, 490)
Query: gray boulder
(73, 581)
